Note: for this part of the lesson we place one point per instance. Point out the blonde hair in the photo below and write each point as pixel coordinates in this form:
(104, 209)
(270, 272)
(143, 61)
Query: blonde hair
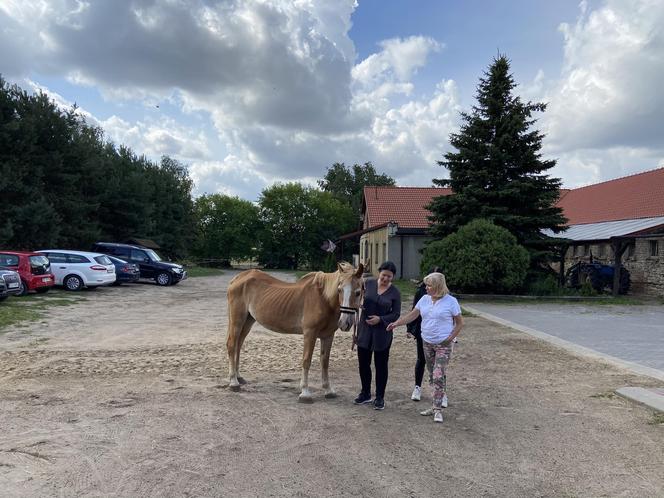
(437, 283)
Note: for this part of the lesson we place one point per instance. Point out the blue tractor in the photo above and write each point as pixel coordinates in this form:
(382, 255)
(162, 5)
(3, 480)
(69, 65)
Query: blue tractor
(598, 275)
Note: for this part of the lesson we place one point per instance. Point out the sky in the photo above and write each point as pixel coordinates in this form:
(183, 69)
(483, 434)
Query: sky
(247, 93)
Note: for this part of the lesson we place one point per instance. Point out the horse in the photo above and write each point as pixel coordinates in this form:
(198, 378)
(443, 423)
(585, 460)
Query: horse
(315, 306)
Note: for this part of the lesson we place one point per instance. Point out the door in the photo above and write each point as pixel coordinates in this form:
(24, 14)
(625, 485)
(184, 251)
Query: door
(59, 265)
(144, 263)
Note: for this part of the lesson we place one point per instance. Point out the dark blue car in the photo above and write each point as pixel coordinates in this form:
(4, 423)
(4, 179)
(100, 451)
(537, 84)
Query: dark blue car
(124, 272)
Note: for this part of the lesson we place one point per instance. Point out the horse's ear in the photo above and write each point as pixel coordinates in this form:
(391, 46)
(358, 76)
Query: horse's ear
(339, 268)
(360, 270)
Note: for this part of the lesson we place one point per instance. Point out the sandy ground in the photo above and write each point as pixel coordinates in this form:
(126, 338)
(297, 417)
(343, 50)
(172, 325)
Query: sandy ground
(124, 394)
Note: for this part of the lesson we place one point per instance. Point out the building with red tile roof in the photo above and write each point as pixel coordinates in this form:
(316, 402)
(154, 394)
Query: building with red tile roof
(629, 209)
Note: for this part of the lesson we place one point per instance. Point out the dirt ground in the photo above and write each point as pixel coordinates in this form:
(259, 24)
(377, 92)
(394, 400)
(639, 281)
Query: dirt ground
(124, 394)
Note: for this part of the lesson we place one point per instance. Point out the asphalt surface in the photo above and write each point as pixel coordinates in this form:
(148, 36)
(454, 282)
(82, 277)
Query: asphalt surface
(630, 333)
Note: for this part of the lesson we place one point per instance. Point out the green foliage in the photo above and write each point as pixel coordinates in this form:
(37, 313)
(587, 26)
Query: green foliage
(347, 185)
(480, 257)
(296, 221)
(497, 172)
(227, 227)
(61, 185)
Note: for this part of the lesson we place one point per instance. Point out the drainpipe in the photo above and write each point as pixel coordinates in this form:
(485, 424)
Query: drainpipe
(401, 258)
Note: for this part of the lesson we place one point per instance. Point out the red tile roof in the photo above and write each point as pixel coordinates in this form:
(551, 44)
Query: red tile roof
(405, 205)
(630, 197)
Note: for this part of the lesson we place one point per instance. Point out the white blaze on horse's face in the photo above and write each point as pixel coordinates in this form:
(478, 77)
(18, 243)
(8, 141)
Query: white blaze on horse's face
(346, 320)
(349, 298)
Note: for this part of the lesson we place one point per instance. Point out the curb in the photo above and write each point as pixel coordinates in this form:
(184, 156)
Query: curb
(644, 396)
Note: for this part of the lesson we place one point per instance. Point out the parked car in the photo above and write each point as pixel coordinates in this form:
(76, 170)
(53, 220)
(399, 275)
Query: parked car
(10, 283)
(149, 262)
(33, 268)
(77, 269)
(125, 272)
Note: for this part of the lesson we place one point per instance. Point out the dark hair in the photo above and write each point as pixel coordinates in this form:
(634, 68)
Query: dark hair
(389, 266)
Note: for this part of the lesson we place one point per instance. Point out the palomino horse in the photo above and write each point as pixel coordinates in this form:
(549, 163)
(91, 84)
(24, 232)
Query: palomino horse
(315, 306)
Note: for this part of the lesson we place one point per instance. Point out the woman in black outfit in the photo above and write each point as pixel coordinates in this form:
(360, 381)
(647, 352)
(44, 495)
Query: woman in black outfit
(414, 328)
(382, 305)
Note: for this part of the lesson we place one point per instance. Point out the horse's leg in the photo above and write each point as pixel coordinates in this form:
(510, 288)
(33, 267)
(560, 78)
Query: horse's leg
(325, 349)
(243, 334)
(235, 324)
(307, 353)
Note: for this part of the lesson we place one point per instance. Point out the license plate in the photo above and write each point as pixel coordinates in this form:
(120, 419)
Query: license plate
(13, 285)
(46, 280)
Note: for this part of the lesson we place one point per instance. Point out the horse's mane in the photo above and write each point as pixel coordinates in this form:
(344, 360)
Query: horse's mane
(329, 282)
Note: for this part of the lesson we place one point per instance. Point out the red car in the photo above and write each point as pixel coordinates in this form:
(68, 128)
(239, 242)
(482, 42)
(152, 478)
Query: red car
(34, 269)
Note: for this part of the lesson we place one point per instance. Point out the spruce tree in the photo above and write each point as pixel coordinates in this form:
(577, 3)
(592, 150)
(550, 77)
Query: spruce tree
(497, 172)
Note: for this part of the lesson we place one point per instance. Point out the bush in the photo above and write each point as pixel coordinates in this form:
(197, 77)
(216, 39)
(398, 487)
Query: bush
(479, 257)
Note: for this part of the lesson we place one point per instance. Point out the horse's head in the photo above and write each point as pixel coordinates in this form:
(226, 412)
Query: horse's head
(351, 290)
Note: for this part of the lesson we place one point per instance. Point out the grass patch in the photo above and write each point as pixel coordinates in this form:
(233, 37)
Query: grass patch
(466, 313)
(657, 419)
(203, 271)
(604, 395)
(19, 310)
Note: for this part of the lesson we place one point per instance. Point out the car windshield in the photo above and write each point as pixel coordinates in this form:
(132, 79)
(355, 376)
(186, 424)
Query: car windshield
(153, 255)
(103, 260)
(8, 260)
(38, 260)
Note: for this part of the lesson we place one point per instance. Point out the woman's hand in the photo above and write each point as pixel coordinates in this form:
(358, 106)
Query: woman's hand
(373, 320)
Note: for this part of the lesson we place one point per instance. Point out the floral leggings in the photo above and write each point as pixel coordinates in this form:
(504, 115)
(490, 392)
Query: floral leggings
(437, 357)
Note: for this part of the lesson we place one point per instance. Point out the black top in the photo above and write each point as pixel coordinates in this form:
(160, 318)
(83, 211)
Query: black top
(415, 327)
(387, 306)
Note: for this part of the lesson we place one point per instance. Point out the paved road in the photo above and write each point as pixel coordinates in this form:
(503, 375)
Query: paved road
(630, 333)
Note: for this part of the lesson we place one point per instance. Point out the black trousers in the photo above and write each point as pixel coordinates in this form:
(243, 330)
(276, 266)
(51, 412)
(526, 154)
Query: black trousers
(420, 364)
(380, 364)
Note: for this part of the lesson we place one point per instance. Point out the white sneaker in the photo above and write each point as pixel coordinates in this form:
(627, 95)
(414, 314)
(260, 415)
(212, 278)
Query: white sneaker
(417, 393)
(438, 416)
(444, 403)
(427, 413)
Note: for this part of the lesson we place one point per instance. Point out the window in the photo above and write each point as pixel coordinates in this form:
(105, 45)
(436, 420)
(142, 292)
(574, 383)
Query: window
(377, 262)
(366, 251)
(77, 258)
(103, 260)
(654, 248)
(384, 251)
(8, 260)
(56, 257)
(601, 250)
(586, 250)
(140, 256)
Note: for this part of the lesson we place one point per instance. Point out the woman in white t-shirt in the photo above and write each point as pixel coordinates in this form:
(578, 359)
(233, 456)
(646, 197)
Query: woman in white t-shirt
(441, 323)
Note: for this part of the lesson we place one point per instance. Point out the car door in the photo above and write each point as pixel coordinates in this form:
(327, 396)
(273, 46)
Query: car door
(144, 263)
(59, 265)
(80, 265)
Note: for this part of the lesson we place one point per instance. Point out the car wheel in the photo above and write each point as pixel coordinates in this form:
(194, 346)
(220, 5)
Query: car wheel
(42, 290)
(163, 279)
(2, 298)
(24, 289)
(73, 283)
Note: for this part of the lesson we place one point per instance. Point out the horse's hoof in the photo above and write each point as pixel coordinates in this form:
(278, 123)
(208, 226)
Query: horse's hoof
(331, 395)
(234, 388)
(305, 399)
(241, 380)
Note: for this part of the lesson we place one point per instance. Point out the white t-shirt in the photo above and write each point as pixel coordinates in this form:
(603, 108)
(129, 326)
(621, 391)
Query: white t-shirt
(437, 318)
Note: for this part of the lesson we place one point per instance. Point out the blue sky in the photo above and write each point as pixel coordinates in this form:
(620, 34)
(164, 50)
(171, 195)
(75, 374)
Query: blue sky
(251, 92)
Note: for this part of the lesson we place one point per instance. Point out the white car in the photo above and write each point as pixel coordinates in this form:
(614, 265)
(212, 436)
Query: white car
(77, 269)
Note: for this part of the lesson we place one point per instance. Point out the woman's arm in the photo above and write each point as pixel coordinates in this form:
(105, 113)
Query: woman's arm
(407, 318)
(458, 325)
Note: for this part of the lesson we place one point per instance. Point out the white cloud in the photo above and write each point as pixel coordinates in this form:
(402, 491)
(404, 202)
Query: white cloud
(278, 79)
(605, 115)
